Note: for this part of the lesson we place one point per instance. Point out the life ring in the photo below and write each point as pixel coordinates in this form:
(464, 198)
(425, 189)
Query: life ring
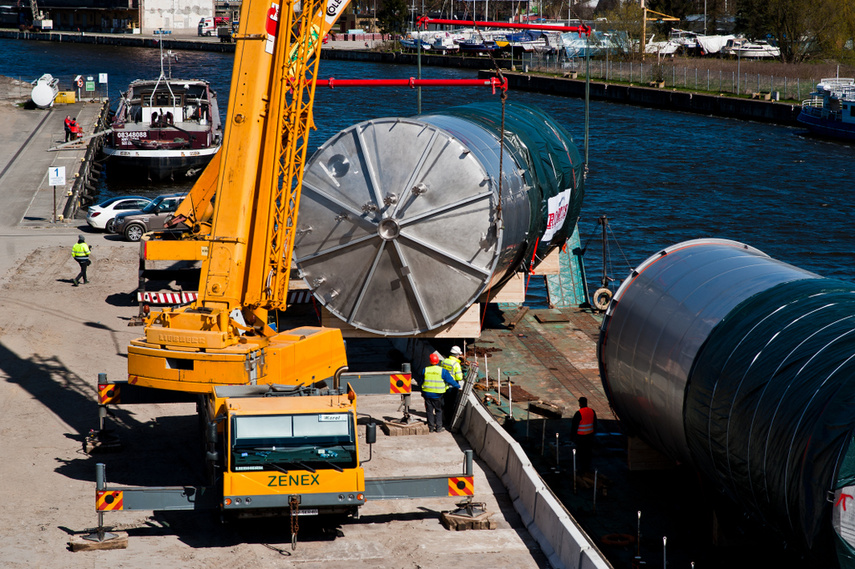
(602, 298)
(618, 539)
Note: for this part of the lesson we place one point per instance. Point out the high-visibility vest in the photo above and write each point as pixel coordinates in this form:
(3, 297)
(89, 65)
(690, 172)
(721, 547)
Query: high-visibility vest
(433, 382)
(452, 364)
(586, 424)
(80, 250)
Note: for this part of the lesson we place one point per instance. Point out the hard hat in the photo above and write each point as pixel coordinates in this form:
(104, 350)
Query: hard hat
(456, 351)
(434, 358)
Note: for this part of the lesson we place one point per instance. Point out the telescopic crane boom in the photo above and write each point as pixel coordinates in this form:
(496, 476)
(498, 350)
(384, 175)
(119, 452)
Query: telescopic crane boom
(224, 337)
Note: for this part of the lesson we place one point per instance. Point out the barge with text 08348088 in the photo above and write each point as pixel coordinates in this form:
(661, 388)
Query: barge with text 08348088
(164, 129)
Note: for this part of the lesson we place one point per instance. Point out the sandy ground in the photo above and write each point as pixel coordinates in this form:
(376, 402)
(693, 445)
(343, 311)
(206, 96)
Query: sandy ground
(55, 339)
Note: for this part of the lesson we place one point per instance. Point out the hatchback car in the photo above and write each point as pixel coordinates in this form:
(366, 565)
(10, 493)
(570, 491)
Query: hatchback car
(133, 224)
(103, 215)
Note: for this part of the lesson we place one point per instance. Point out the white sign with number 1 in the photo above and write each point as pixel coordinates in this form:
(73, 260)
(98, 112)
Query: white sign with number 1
(56, 176)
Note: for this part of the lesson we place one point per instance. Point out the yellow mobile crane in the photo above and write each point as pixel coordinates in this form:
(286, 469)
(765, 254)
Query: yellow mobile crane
(224, 337)
(279, 437)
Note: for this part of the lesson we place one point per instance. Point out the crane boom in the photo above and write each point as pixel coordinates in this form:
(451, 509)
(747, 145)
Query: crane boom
(191, 211)
(224, 337)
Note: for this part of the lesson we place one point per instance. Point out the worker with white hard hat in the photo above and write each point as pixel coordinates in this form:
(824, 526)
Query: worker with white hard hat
(452, 365)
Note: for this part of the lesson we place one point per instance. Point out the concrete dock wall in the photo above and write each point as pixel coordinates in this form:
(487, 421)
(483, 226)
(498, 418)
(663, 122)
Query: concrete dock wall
(666, 99)
(559, 536)
(87, 174)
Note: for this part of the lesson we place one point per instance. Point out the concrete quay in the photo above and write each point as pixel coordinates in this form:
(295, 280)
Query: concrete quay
(31, 146)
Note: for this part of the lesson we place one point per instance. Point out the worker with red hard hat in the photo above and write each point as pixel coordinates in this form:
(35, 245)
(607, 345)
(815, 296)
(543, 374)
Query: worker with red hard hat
(435, 380)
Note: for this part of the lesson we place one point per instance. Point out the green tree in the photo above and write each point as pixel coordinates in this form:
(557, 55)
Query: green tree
(625, 19)
(394, 17)
(801, 28)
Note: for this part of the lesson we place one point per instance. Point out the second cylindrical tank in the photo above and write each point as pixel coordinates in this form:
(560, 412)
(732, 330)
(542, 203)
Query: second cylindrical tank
(741, 365)
(405, 222)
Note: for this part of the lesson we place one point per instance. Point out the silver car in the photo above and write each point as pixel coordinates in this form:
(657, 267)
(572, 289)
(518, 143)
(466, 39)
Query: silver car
(133, 224)
(103, 215)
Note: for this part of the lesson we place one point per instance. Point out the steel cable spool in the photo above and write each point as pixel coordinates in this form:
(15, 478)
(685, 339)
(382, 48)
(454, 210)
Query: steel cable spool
(399, 229)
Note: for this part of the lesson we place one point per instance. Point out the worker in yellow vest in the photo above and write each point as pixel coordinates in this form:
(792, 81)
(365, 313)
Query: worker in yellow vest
(435, 381)
(81, 252)
(452, 365)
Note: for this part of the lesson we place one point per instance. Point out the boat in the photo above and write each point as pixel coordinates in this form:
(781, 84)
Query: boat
(757, 49)
(444, 44)
(829, 111)
(480, 47)
(164, 129)
(413, 44)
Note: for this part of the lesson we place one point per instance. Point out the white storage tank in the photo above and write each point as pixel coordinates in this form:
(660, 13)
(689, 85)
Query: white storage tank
(45, 89)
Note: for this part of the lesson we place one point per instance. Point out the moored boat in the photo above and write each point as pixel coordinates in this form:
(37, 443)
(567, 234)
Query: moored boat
(164, 129)
(829, 111)
(758, 49)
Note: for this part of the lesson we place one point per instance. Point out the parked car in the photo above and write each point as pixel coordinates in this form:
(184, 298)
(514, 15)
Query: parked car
(103, 215)
(133, 224)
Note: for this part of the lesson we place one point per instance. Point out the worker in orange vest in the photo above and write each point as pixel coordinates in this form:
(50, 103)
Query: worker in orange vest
(583, 427)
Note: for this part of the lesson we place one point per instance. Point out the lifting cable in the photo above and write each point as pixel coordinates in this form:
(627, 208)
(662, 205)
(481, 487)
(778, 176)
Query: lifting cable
(504, 99)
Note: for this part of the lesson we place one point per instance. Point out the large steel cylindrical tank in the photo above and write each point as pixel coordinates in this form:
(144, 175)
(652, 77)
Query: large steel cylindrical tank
(741, 365)
(45, 90)
(403, 223)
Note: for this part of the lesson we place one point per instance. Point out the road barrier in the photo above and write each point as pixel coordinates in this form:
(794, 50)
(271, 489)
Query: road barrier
(552, 526)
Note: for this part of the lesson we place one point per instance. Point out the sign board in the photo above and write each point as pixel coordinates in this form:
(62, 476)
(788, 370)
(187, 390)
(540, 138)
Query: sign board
(102, 78)
(90, 85)
(557, 206)
(56, 176)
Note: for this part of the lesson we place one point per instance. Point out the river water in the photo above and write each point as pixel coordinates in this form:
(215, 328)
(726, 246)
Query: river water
(660, 177)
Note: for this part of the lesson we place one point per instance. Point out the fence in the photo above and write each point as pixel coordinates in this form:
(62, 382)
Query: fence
(674, 74)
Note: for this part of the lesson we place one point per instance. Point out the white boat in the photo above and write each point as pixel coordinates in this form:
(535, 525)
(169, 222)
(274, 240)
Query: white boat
(711, 45)
(661, 47)
(757, 49)
(596, 44)
(685, 40)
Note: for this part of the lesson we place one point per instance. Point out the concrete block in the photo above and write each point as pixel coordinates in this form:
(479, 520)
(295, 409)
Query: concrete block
(571, 545)
(497, 444)
(517, 459)
(526, 516)
(471, 402)
(477, 426)
(530, 485)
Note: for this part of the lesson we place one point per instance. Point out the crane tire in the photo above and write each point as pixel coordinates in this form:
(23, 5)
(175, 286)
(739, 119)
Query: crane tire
(602, 298)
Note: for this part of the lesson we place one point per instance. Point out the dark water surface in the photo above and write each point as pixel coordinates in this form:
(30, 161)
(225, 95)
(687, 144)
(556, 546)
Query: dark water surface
(660, 177)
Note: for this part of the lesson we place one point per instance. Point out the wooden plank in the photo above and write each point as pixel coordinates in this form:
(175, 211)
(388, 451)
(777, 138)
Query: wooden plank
(550, 315)
(550, 264)
(467, 325)
(118, 542)
(511, 292)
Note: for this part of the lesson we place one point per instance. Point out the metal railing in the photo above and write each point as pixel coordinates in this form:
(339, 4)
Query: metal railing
(674, 74)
